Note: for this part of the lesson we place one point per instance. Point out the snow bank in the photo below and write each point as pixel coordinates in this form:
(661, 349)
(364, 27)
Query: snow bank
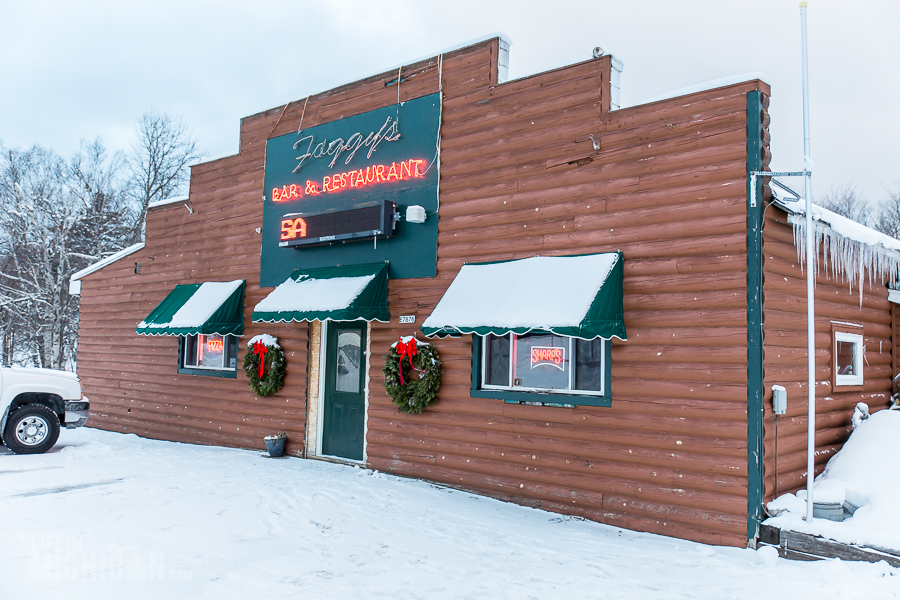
(108, 515)
(865, 473)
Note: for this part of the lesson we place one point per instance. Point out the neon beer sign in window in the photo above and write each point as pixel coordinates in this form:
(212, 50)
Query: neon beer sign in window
(358, 178)
(549, 356)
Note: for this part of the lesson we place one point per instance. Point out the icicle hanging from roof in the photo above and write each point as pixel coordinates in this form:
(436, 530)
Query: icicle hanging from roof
(849, 249)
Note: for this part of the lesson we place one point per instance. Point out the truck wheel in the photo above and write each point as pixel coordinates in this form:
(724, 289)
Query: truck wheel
(32, 429)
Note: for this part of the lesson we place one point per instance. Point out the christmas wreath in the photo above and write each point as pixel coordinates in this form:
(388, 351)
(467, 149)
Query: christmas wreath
(412, 395)
(263, 351)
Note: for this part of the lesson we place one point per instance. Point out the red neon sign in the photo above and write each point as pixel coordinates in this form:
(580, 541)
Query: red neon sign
(291, 229)
(548, 355)
(374, 175)
(286, 192)
(214, 345)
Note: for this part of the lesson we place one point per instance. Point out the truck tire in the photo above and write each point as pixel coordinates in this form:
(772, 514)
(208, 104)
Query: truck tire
(31, 429)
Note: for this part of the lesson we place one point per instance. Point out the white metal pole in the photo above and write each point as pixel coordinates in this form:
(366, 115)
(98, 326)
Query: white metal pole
(810, 281)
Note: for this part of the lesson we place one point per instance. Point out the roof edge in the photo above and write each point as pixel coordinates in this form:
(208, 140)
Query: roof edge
(706, 86)
(106, 261)
(168, 201)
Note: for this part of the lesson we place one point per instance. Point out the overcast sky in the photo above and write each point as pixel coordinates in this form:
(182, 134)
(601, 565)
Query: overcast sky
(77, 70)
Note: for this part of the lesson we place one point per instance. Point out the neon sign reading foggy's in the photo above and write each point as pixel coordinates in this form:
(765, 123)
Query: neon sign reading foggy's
(548, 355)
(389, 132)
(413, 168)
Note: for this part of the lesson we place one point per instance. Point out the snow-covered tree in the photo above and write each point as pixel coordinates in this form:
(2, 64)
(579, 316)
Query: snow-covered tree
(58, 217)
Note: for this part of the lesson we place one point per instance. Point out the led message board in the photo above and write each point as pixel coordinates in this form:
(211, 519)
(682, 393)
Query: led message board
(337, 193)
(338, 225)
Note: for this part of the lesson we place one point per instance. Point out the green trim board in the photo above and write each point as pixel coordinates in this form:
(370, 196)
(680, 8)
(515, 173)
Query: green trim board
(575, 296)
(189, 309)
(334, 172)
(755, 391)
(339, 293)
(546, 399)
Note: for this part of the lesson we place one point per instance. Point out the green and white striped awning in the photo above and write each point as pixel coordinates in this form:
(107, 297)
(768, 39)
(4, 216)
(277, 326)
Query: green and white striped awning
(577, 296)
(207, 308)
(341, 293)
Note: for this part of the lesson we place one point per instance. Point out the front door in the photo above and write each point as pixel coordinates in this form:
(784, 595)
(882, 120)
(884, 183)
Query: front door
(345, 397)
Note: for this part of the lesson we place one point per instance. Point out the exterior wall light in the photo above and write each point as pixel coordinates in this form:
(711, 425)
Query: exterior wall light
(415, 214)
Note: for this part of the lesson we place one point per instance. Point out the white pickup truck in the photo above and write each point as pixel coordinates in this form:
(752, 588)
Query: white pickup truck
(33, 403)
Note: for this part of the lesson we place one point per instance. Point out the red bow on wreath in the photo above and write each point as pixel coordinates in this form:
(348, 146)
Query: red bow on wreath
(260, 349)
(404, 349)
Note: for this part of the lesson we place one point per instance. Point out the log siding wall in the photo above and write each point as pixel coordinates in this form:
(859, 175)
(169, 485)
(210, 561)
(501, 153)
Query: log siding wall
(785, 362)
(519, 177)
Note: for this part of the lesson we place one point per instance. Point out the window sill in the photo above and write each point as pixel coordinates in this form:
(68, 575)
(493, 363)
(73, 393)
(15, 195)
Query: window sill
(208, 372)
(564, 400)
(847, 387)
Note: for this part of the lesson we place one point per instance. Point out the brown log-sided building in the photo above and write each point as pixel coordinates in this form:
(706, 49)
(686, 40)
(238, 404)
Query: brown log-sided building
(665, 427)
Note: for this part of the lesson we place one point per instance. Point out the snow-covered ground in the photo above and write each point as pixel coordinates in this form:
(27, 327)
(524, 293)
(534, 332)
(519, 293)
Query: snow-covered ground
(865, 473)
(106, 515)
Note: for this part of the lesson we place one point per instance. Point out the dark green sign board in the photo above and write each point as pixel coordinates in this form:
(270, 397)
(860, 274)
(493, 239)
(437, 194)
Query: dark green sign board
(323, 184)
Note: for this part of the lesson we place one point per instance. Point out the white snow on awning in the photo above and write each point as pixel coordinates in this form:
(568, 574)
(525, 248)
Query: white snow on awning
(543, 292)
(201, 306)
(314, 294)
(894, 296)
(205, 301)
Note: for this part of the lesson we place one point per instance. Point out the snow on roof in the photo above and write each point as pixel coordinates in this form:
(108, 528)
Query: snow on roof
(168, 201)
(708, 85)
(841, 225)
(542, 292)
(852, 248)
(864, 474)
(307, 294)
(106, 261)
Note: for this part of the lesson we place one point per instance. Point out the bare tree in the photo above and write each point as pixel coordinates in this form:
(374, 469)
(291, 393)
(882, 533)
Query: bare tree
(108, 220)
(888, 218)
(845, 201)
(158, 162)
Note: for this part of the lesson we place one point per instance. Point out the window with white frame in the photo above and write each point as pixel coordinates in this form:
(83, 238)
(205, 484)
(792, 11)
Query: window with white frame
(848, 358)
(209, 352)
(544, 363)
